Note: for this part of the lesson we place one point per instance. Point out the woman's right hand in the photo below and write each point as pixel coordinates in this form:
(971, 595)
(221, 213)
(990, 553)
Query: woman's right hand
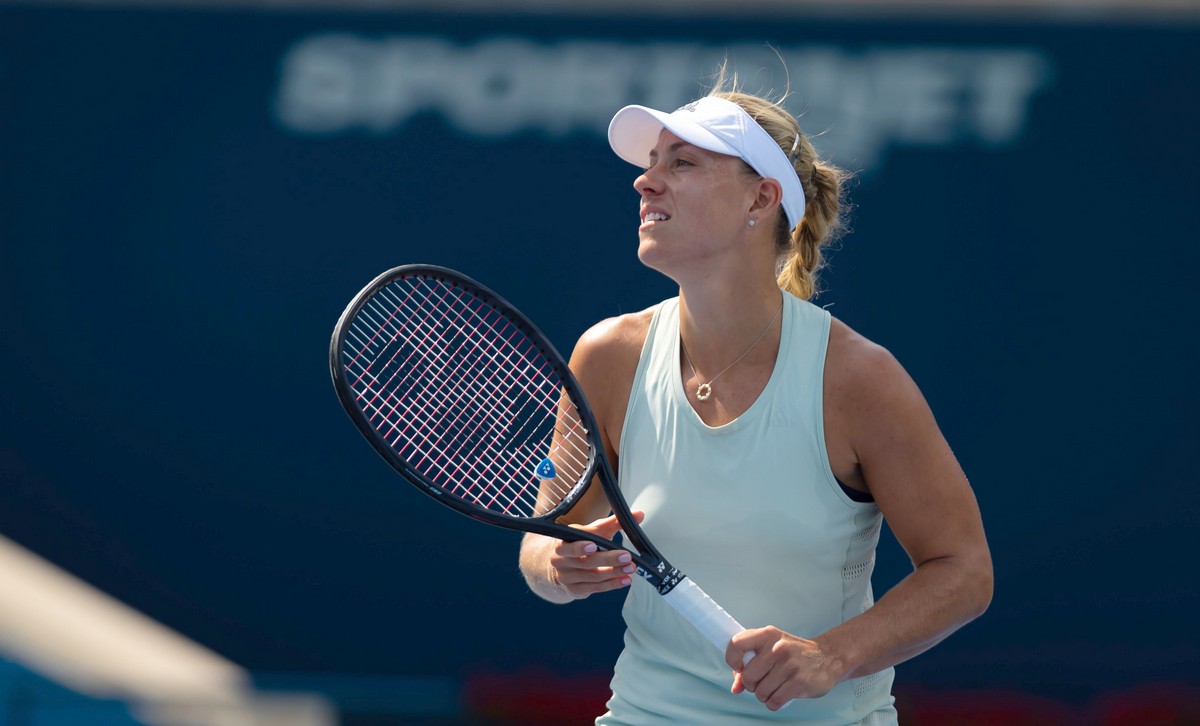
(580, 569)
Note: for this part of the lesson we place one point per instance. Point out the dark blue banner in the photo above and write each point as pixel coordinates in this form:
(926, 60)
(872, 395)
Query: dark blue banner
(189, 199)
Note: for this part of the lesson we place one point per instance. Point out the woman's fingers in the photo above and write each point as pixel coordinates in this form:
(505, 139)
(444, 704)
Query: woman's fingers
(582, 568)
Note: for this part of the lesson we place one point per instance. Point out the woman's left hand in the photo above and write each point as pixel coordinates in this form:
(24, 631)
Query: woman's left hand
(784, 666)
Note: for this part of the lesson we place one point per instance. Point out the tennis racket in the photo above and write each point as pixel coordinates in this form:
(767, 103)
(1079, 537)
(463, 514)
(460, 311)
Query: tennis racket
(466, 398)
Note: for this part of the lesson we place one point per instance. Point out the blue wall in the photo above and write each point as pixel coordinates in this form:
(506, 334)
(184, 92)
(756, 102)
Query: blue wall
(188, 199)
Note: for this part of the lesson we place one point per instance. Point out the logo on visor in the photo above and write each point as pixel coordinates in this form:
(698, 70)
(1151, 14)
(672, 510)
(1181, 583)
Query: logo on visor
(688, 107)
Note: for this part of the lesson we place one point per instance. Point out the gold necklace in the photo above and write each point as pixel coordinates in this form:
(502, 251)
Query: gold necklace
(704, 390)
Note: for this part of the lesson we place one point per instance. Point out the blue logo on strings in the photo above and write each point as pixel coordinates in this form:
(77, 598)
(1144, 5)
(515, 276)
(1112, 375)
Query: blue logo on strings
(545, 470)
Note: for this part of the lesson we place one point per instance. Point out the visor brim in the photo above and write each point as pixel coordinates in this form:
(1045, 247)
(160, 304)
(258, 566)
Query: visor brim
(634, 130)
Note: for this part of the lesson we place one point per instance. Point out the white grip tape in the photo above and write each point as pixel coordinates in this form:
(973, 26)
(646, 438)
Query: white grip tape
(709, 618)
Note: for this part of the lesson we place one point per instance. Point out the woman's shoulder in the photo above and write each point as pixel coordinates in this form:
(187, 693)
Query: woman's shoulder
(859, 368)
(614, 341)
(605, 362)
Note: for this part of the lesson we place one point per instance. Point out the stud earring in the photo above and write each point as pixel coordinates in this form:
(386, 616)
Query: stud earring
(753, 222)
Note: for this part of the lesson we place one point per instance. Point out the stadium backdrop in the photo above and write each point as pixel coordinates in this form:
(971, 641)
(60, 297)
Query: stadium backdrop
(188, 199)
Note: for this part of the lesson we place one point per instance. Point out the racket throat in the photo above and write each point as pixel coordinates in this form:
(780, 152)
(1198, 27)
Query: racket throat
(663, 578)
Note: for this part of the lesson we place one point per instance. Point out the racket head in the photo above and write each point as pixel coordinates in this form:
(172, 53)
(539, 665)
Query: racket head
(465, 397)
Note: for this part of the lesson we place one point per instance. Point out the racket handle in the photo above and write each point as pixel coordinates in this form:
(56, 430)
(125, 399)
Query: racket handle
(709, 618)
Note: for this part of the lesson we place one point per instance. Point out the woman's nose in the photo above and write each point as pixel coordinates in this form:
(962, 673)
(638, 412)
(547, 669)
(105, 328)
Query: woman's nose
(646, 183)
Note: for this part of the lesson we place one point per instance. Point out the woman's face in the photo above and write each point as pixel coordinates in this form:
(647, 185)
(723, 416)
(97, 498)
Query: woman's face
(695, 206)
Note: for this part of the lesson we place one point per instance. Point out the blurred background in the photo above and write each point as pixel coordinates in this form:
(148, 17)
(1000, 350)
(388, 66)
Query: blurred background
(192, 531)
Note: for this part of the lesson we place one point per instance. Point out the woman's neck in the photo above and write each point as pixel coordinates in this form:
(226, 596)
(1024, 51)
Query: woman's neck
(719, 320)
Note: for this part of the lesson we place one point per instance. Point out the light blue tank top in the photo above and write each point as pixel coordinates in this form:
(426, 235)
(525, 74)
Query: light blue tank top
(752, 513)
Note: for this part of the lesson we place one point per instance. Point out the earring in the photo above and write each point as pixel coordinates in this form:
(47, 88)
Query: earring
(753, 222)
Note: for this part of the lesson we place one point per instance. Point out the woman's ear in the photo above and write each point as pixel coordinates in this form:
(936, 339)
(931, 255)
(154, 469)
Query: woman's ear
(769, 195)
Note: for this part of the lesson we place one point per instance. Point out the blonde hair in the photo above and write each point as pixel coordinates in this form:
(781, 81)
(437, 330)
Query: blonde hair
(799, 256)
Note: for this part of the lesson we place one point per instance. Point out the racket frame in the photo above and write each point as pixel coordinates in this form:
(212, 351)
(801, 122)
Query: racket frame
(651, 565)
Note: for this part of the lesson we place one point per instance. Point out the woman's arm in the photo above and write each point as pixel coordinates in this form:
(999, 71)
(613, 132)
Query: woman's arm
(604, 361)
(900, 455)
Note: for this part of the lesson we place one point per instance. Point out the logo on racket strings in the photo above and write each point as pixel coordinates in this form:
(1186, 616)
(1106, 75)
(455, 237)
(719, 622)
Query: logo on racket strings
(546, 470)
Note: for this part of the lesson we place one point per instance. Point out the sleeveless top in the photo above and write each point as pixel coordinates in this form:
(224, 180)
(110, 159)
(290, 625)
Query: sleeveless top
(752, 513)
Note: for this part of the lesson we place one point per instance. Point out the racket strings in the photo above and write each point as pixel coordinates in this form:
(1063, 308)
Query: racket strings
(545, 387)
(439, 376)
(426, 449)
(472, 390)
(465, 397)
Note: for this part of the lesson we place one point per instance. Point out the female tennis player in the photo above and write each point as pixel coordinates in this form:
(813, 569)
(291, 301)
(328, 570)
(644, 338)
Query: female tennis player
(762, 443)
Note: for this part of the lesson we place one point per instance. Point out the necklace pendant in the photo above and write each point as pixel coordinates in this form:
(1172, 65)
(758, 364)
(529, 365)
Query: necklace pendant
(703, 391)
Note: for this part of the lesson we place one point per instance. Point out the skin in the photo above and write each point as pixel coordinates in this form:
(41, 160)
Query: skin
(881, 436)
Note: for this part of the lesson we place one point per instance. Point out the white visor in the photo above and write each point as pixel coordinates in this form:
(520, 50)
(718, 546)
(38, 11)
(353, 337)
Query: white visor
(714, 124)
